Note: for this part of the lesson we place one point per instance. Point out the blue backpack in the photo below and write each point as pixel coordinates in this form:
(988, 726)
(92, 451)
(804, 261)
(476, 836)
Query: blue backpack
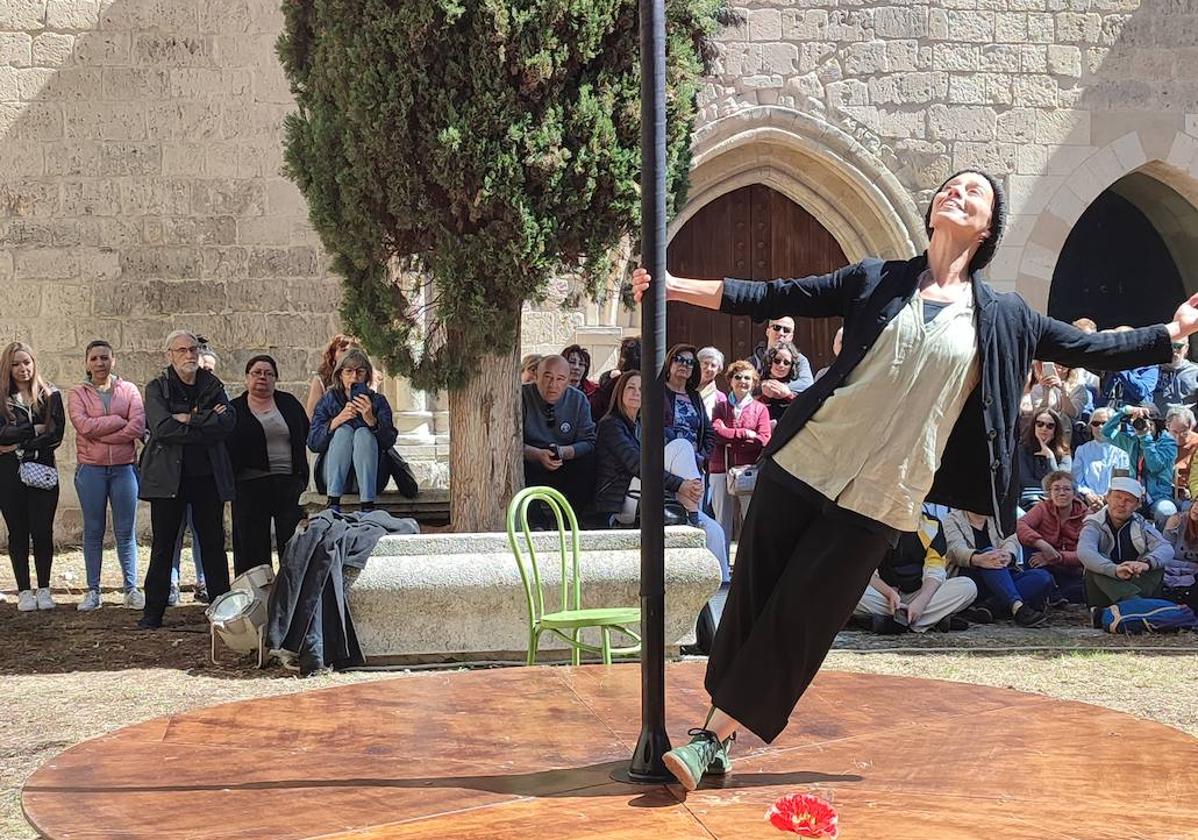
(1147, 615)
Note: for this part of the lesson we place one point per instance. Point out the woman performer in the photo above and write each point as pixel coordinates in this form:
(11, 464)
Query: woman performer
(922, 403)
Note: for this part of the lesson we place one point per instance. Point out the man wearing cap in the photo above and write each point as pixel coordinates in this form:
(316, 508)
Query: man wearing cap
(1123, 554)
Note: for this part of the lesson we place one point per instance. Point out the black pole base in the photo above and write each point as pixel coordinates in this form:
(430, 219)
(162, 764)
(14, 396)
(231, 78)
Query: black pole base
(646, 767)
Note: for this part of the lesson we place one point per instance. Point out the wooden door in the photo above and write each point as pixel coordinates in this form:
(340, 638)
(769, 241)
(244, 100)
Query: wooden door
(754, 233)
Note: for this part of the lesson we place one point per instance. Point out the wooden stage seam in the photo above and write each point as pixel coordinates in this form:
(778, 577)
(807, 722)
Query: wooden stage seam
(528, 753)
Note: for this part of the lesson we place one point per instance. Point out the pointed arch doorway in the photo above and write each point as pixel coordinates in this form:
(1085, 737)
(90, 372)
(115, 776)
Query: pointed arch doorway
(754, 233)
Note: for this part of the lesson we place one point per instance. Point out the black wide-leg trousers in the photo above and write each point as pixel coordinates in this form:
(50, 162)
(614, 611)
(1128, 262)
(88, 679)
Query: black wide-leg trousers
(802, 564)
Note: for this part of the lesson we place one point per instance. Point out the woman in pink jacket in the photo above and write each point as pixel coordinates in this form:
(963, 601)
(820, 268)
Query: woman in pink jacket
(742, 429)
(109, 419)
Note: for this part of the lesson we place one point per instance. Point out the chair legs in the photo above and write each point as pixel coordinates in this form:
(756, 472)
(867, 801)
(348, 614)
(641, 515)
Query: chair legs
(534, 641)
(575, 651)
(606, 645)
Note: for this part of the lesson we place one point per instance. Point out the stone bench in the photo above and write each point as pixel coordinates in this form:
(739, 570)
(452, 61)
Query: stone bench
(458, 597)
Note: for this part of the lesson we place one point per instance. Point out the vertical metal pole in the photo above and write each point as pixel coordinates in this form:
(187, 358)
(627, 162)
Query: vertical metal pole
(653, 743)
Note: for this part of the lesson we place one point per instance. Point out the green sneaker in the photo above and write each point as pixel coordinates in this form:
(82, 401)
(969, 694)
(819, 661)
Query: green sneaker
(688, 763)
(721, 764)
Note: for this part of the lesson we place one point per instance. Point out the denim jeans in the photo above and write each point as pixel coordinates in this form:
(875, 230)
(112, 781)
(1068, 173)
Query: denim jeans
(355, 449)
(196, 556)
(98, 486)
(1006, 586)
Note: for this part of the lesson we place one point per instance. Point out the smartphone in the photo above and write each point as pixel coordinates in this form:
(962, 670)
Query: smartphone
(557, 456)
(1049, 369)
(358, 389)
(900, 615)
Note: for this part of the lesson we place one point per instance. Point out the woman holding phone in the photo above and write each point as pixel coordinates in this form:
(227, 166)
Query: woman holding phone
(923, 401)
(352, 431)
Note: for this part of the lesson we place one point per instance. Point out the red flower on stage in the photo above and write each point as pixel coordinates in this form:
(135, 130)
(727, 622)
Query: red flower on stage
(805, 815)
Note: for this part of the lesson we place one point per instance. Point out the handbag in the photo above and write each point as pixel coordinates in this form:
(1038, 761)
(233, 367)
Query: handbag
(741, 480)
(38, 476)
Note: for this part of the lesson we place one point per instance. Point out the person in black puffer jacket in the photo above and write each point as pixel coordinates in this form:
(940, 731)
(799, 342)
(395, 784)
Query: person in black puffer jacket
(188, 418)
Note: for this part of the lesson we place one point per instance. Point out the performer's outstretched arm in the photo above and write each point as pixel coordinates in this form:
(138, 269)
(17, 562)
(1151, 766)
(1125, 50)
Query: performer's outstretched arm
(818, 296)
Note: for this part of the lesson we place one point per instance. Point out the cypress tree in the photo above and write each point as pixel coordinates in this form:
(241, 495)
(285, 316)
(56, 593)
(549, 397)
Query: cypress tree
(456, 155)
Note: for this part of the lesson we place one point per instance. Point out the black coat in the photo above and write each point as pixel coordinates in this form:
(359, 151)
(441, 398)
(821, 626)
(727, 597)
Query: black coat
(19, 430)
(247, 444)
(1010, 335)
(161, 465)
(618, 461)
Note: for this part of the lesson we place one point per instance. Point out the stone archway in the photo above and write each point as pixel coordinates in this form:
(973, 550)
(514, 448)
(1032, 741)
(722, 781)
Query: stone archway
(1156, 172)
(814, 164)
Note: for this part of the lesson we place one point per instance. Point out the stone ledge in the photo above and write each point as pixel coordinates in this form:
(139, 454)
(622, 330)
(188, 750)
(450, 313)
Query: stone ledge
(450, 597)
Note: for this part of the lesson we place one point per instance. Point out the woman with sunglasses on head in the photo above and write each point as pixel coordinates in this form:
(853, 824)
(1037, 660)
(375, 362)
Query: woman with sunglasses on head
(1043, 449)
(742, 429)
(109, 420)
(270, 464)
(351, 432)
(921, 405)
(32, 421)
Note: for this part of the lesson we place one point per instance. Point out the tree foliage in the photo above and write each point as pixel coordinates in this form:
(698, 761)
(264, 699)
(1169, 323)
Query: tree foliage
(484, 145)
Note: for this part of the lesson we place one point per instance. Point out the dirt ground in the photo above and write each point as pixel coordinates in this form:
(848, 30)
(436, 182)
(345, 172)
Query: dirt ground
(67, 676)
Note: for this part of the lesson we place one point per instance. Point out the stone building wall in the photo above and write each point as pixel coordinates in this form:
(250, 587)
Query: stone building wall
(140, 185)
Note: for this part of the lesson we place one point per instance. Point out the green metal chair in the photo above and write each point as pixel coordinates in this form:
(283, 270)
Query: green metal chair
(570, 620)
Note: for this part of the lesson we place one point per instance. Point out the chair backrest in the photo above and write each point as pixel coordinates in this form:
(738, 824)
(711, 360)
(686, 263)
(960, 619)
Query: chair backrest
(530, 573)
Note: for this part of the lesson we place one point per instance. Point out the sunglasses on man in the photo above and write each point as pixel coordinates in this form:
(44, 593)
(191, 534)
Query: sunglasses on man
(782, 328)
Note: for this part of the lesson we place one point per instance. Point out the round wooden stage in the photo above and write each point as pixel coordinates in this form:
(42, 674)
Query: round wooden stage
(529, 753)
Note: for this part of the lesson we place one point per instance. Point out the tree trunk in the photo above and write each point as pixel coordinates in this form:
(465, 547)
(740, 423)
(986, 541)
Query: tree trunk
(486, 444)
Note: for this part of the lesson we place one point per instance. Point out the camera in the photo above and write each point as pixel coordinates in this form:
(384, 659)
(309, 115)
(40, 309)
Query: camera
(1140, 424)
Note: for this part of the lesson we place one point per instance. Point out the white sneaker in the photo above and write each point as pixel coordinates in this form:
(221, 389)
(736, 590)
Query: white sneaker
(135, 599)
(172, 600)
(44, 600)
(26, 601)
(91, 601)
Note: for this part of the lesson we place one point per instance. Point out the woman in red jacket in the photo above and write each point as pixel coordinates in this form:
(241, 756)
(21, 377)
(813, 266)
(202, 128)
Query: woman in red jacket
(742, 429)
(1051, 529)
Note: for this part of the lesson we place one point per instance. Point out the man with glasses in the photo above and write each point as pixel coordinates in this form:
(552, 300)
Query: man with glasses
(559, 434)
(1096, 462)
(780, 329)
(1178, 380)
(185, 462)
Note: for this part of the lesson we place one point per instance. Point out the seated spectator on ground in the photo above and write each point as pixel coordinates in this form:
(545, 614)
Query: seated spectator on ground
(1152, 451)
(685, 418)
(1058, 388)
(270, 463)
(977, 551)
(629, 359)
(837, 343)
(782, 330)
(775, 390)
(910, 589)
(351, 433)
(559, 435)
(1095, 462)
(1177, 382)
(1179, 422)
(322, 379)
(580, 368)
(742, 430)
(1181, 572)
(711, 363)
(1123, 554)
(1127, 387)
(185, 462)
(618, 470)
(1043, 448)
(528, 368)
(1049, 532)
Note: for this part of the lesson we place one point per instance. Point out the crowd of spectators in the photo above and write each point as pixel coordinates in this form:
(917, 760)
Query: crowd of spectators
(1104, 460)
(1104, 463)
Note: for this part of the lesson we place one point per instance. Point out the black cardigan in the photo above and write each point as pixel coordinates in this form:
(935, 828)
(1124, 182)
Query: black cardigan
(1010, 335)
(247, 444)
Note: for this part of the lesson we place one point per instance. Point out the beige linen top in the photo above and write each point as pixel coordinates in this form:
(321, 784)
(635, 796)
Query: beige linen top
(875, 444)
